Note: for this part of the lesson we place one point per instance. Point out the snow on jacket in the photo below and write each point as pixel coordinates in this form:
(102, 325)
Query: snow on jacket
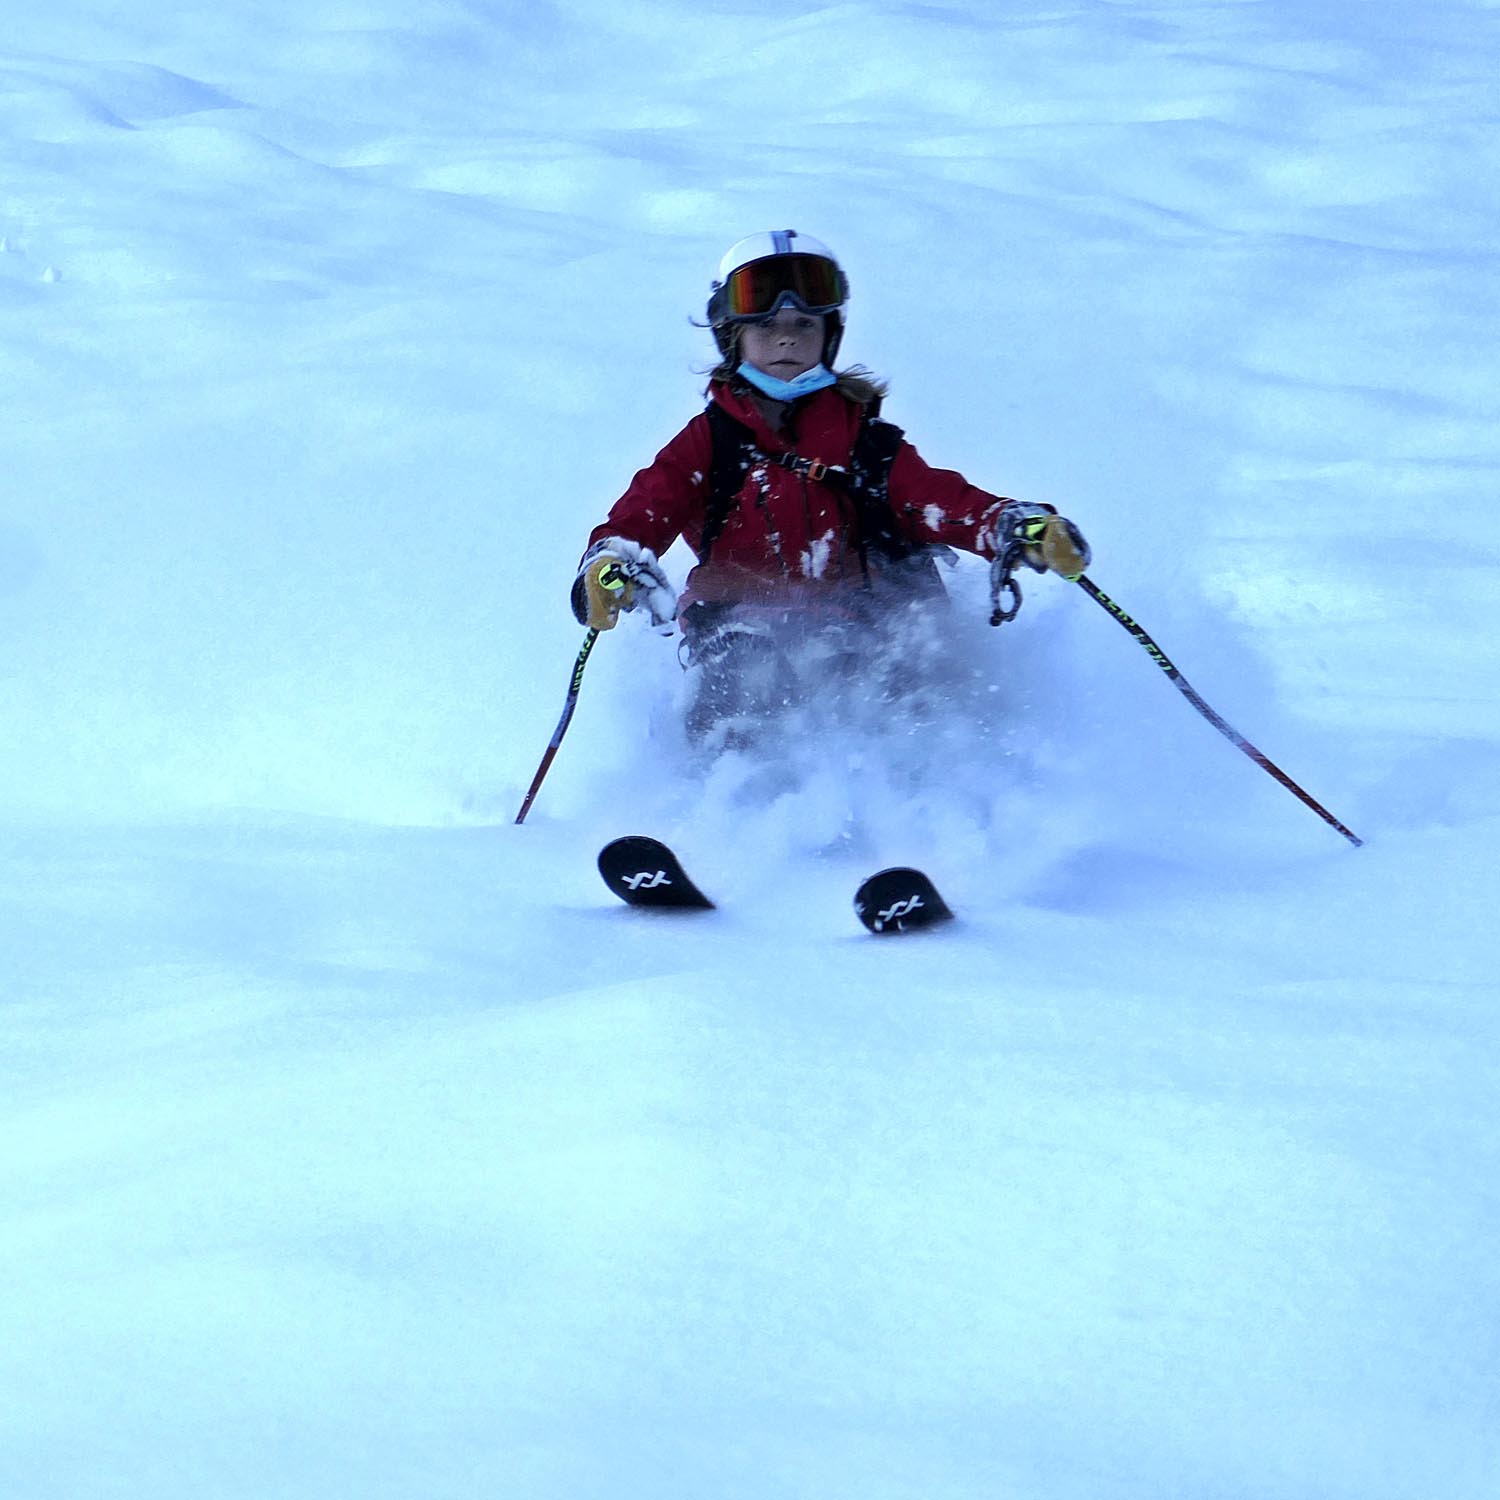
(787, 535)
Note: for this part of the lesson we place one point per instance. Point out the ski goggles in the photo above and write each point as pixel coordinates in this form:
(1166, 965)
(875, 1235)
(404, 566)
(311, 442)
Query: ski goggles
(811, 282)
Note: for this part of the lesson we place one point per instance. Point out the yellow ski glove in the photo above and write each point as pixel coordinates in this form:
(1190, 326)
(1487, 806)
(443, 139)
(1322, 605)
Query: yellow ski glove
(615, 575)
(1044, 541)
(606, 591)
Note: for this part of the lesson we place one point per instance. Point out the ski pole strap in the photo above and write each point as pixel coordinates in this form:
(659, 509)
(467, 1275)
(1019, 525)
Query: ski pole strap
(1188, 691)
(1005, 592)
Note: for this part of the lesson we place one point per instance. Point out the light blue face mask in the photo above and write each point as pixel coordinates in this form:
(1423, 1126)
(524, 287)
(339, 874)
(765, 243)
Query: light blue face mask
(816, 379)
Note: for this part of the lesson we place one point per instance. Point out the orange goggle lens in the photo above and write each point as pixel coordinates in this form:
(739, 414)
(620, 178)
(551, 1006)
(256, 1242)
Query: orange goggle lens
(815, 284)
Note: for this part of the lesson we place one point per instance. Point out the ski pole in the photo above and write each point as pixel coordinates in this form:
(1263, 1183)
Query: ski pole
(1187, 690)
(574, 683)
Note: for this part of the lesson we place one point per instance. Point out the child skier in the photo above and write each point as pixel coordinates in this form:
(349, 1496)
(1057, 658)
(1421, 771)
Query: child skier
(808, 515)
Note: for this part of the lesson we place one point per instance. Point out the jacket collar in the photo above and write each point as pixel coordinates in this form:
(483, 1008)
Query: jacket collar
(824, 420)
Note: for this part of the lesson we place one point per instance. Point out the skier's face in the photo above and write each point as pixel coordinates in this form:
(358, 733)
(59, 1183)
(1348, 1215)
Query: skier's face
(786, 345)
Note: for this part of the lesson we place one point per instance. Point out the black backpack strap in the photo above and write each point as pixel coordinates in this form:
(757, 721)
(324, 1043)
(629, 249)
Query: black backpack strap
(733, 454)
(866, 481)
(875, 450)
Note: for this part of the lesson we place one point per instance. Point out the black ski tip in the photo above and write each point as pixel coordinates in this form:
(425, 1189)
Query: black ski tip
(899, 900)
(644, 872)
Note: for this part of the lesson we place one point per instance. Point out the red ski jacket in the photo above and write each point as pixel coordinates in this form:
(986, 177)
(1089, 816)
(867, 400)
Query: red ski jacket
(788, 536)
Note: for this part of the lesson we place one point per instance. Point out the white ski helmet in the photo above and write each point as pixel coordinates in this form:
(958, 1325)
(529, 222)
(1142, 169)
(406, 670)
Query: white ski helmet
(773, 269)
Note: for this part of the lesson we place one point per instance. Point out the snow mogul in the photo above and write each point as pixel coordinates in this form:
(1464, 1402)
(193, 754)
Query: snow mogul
(812, 520)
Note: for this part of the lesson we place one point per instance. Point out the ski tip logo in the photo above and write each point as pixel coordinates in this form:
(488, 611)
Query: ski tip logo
(646, 880)
(899, 900)
(897, 912)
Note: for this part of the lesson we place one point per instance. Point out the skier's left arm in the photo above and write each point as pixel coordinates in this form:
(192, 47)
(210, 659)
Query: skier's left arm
(940, 506)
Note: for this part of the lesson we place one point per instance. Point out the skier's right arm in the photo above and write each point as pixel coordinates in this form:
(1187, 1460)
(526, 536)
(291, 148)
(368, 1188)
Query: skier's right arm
(620, 568)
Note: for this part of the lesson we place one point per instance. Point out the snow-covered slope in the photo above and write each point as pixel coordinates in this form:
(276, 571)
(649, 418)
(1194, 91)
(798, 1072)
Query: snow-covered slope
(355, 1142)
